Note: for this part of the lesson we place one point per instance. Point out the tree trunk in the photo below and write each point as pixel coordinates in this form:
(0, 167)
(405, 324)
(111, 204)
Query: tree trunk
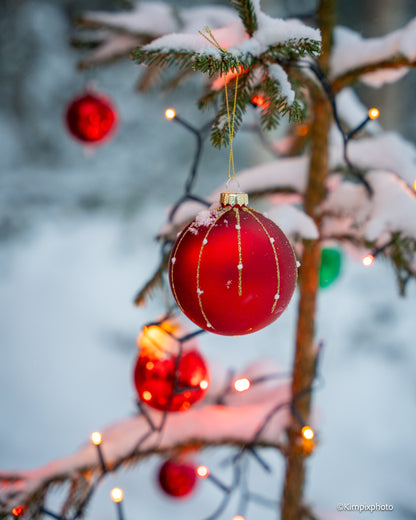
(305, 355)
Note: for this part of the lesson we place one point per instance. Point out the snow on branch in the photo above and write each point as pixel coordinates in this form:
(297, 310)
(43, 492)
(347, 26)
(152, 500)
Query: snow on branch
(388, 151)
(242, 424)
(148, 20)
(374, 61)
(375, 219)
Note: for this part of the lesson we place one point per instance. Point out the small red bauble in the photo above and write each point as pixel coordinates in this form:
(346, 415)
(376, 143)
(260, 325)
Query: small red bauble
(154, 376)
(232, 270)
(91, 117)
(176, 478)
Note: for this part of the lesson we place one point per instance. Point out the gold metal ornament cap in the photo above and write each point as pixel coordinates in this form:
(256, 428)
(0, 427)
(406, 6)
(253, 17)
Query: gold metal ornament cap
(234, 199)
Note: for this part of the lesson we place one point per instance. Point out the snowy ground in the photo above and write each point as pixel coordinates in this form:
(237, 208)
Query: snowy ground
(77, 241)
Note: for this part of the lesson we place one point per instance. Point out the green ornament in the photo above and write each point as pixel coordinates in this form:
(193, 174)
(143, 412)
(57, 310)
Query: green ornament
(331, 260)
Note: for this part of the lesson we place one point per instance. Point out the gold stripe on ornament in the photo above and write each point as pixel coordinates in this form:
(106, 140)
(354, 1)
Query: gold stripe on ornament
(204, 242)
(240, 260)
(250, 212)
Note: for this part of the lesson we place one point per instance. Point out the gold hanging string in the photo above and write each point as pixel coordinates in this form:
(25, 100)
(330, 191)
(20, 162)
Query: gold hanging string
(231, 120)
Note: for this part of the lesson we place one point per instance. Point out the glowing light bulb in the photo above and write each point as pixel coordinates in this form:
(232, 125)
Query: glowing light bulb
(258, 100)
(203, 385)
(96, 438)
(238, 517)
(302, 130)
(414, 186)
(170, 113)
(146, 395)
(202, 471)
(116, 495)
(308, 433)
(368, 260)
(18, 511)
(373, 113)
(242, 384)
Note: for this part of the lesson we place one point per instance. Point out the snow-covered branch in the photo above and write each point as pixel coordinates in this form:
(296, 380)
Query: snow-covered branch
(374, 61)
(237, 422)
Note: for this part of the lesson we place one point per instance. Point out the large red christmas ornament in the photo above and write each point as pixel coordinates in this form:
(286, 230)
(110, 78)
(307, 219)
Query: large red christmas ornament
(158, 366)
(176, 478)
(91, 117)
(232, 270)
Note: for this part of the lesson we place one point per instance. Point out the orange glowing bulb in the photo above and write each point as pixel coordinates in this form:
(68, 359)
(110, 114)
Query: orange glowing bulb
(170, 113)
(242, 384)
(202, 471)
(238, 517)
(116, 495)
(414, 186)
(368, 260)
(258, 100)
(203, 385)
(373, 113)
(308, 433)
(18, 511)
(96, 438)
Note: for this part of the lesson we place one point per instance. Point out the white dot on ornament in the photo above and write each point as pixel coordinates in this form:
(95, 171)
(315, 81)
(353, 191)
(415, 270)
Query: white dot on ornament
(205, 241)
(272, 240)
(199, 291)
(209, 325)
(203, 385)
(237, 226)
(173, 260)
(240, 266)
(297, 263)
(276, 296)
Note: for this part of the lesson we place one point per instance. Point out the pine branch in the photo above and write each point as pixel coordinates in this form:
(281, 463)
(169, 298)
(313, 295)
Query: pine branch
(182, 58)
(247, 13)
(150, 286)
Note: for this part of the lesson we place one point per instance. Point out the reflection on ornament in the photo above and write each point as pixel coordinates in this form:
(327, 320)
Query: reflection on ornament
(91, 117)
(331, 261)
(232, 270)
(176, 478)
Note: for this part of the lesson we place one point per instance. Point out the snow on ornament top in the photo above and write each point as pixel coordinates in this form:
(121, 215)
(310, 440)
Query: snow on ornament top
(232, 270)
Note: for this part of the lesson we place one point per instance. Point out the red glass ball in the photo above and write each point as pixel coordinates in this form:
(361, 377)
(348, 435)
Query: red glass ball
(232, 271)
(177, 479)
(154, 378)
(91, 117)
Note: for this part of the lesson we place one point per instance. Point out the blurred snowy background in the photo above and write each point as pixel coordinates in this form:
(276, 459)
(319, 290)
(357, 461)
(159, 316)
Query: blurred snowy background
(76, 241)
